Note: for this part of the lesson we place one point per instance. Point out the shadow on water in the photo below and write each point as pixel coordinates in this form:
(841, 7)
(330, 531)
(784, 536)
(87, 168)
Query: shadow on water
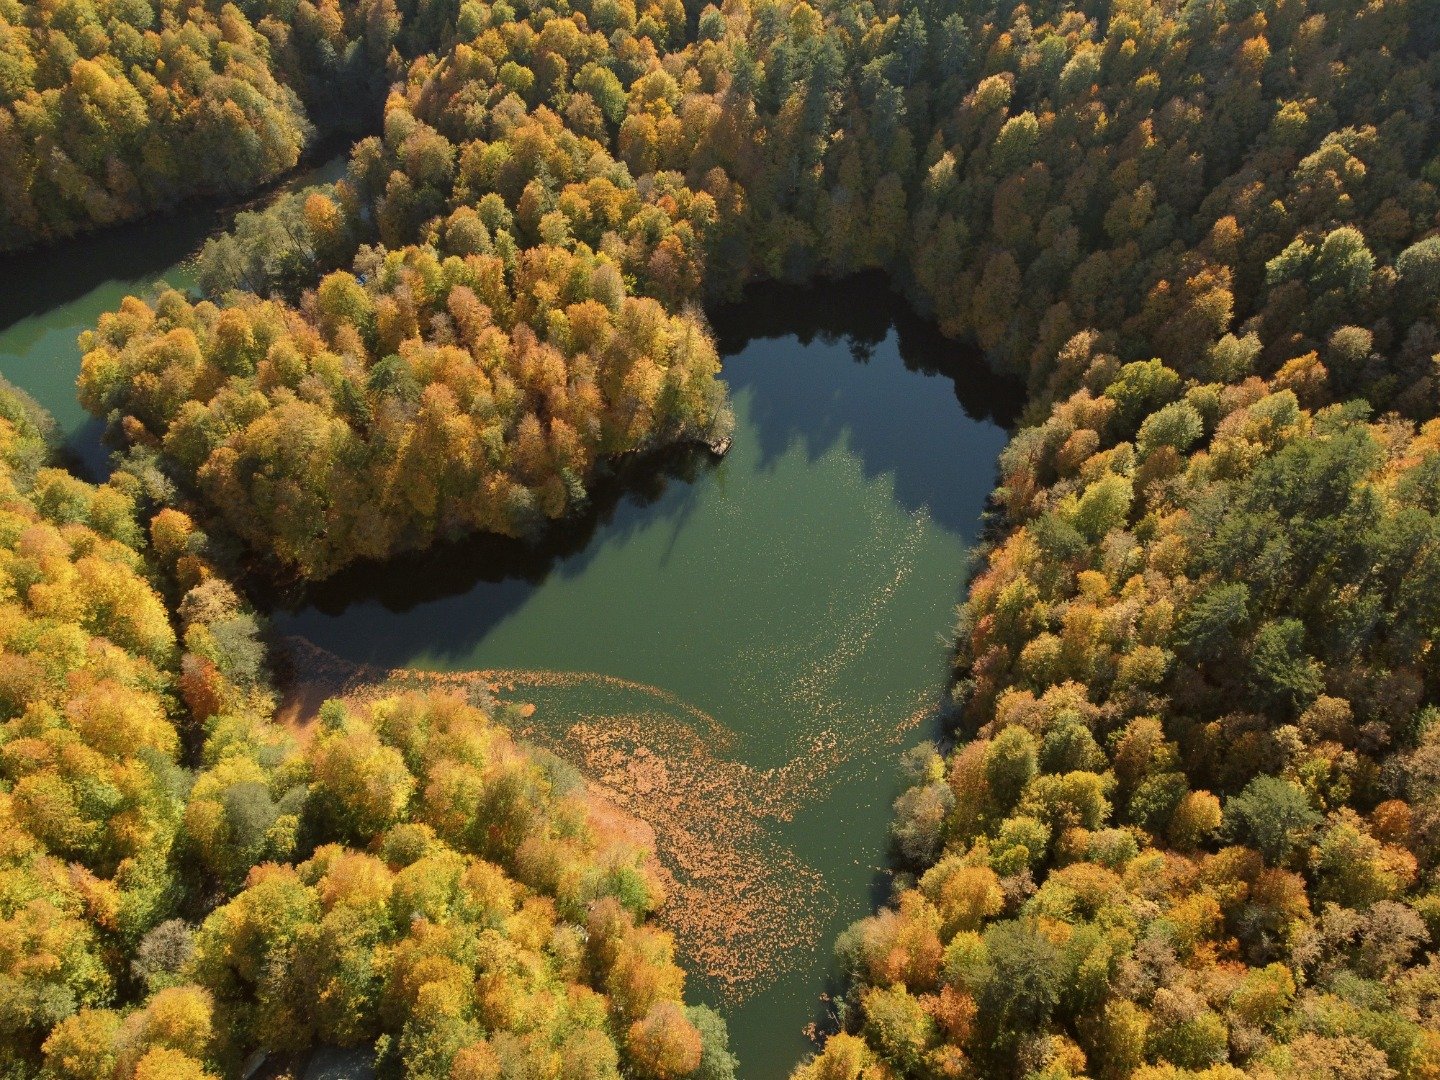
(819, 404)
(54, 294)
(454, 568)
(792, 595)
(85, 453)
(136, 253)
(41, 281)
(862, 313)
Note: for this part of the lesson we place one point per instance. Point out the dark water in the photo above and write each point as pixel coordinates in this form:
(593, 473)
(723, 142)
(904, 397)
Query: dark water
(767, 630)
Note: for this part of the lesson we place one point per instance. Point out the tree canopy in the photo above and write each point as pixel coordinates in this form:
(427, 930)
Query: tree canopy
(1188, 827)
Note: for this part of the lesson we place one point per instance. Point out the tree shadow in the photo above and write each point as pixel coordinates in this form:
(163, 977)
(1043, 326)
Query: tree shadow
(85, 453)
(452, 568)
(850, 388)
(860, 312)
(940, 458)
(42, 280)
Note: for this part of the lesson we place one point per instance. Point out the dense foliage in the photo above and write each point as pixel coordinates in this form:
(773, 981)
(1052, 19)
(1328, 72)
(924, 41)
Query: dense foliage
(1198, 792)
(1191, 825)
(182, 885)
(337, 432)
(90, 754)
(473, 914)
(111, 109)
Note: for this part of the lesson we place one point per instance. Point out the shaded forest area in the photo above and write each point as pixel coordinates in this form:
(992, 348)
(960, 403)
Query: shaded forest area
(117, 109)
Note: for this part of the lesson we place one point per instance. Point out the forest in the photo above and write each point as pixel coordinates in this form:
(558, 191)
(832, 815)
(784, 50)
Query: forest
(185, 884)
(113, 110)
(1187, 821)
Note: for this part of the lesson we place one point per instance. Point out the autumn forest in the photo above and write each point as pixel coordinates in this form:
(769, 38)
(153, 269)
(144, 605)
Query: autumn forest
(1183, 819)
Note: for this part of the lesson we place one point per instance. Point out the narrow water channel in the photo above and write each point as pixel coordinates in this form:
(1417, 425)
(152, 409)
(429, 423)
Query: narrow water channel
(51, 296)
(737, 651)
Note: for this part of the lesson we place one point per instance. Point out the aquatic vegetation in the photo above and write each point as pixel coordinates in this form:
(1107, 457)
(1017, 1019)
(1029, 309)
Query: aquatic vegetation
(740, 901)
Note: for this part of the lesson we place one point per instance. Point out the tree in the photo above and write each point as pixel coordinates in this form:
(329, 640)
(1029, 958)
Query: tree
(180, 1018)
(164, 1064)
(964, 895)
(362, 786)
(1272, 814)
(716, 1060)
(1418, 267)
(1103, 507)
(1196, 818)
(1019, 986)
(664, 1044)
(1177, 426)
(919, 826)
(898, 1026)
(83, 1046)
(1280, 669)
(1343, 262)
(1354, 869)
(1209, 627)
(1011, 762)
(1015, 144)
(845, 1057)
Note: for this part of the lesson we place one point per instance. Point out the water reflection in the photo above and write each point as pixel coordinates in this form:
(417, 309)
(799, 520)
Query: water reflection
(860, 312)
(889, 424)
(133, 256)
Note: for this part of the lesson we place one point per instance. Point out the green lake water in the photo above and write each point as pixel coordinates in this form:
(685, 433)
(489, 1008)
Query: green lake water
(746, 646)
(795, 595)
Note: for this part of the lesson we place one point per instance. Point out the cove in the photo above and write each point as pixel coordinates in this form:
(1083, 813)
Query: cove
(739, 651)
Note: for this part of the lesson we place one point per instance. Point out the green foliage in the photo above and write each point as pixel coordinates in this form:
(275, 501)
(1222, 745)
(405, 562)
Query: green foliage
(1139, 390)
(716, 1060)
(1273, 814)
(1282, 673)
(1010, 765)
(1103, 507)
(1211, 624)
(1020, 985)
(1177, 426)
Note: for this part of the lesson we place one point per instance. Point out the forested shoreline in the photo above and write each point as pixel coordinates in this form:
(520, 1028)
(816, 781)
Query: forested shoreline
(1190, 824)
(117, 111)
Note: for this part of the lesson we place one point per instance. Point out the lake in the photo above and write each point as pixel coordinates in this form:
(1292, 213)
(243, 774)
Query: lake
(736, 650)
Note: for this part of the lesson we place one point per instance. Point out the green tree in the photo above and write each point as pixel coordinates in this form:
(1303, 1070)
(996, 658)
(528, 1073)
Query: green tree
(1273, 815)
